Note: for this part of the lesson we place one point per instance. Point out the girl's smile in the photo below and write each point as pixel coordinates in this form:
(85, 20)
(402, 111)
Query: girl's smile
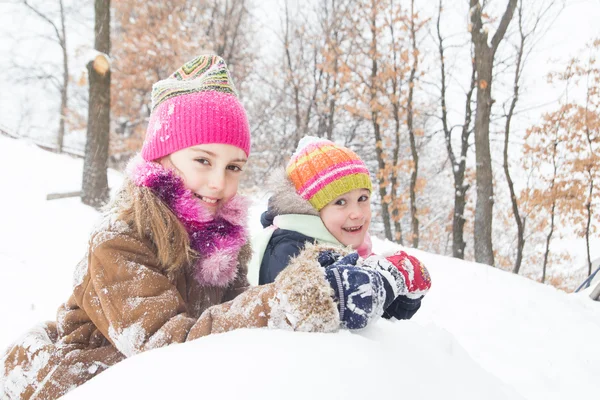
(354, 229)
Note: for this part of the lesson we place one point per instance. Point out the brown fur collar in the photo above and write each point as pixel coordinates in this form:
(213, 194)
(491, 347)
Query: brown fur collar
(285, 200)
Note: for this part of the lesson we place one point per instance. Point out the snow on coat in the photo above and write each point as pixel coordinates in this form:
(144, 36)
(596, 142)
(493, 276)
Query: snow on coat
(124, 303)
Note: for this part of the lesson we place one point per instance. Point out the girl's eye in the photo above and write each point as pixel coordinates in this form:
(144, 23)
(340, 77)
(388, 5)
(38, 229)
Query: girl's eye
(234, 168)
(364, 197)
(340, 202)
(203, 161)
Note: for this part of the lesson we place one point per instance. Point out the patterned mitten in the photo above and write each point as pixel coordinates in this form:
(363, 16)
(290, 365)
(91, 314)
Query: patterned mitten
(414, 272)
(406, 274)
(359, 292)
(328, 257)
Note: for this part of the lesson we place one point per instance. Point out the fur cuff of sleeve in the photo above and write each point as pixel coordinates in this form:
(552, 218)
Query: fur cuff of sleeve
(304, 299)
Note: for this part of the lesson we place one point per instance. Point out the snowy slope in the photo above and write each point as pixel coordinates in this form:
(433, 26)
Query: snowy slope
(40, 241)
(481, 333)
(541, 341)
(389, 361)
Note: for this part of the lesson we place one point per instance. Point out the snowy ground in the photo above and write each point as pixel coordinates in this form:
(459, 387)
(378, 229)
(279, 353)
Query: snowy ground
(481, 334)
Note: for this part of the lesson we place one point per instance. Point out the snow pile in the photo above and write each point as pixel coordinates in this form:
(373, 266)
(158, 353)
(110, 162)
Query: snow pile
(481, 332)
(392, 360)
(541, 341)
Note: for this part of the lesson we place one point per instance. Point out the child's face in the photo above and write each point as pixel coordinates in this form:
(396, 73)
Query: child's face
(348, 217)
(211, 171)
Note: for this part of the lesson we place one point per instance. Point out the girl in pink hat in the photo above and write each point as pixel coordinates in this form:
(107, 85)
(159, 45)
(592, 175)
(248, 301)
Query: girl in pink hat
(168, 263)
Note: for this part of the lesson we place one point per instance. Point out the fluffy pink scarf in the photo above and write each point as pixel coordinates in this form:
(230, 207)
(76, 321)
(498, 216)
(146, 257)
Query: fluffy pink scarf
(216, 238)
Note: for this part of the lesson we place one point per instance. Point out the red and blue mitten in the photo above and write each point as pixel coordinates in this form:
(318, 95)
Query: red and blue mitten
(405, 273)
(414, 272)
(407, 278)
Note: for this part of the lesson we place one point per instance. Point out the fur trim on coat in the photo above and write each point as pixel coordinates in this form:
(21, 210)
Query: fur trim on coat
(304, 299)
(285, 200)
(300, 299)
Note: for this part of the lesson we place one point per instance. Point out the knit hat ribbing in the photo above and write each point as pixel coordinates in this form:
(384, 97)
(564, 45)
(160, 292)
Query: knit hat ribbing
(321, 171)
(197, 104)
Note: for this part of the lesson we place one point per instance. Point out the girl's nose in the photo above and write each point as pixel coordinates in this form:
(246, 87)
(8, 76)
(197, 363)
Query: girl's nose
(355, 213)
(216, 181)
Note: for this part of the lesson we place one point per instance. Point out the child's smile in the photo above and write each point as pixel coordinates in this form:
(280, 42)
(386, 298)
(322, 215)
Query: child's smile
(354, 229)
(207, 201)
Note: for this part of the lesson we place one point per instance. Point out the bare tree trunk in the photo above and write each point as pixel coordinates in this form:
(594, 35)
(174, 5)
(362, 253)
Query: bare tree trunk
(548, 239)
(484, 61)
(394, 178)
(458, 165)
(385, 208)
(385, 211)
(553, 207)
(511, 187)
(396, 110)
(461, 188)
(588, 207)
(411, 132)
(484, 252)
(95, 183)
(65, 84)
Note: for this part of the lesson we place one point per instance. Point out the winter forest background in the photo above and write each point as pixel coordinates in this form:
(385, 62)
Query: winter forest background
(479, 120)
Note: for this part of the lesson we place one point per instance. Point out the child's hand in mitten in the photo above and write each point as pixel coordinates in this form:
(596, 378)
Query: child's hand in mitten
(416, 275)
(328, 257)
(359, 292)
(405, 273)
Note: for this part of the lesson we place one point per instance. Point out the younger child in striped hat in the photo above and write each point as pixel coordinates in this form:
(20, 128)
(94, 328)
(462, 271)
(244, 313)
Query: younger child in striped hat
(324, 197)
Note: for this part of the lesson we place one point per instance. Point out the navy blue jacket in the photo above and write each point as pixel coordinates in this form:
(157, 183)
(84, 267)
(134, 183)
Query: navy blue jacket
(285, 244)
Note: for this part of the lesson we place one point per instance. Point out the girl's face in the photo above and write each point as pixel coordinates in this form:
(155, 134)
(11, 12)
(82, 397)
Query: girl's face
(348, 217)
(211, 171)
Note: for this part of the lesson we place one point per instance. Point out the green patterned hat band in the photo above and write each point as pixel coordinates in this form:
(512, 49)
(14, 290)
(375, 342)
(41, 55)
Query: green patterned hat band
(203, 73)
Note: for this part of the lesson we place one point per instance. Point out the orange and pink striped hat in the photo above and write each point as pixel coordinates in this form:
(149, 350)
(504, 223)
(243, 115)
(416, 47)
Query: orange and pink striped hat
(322, 171)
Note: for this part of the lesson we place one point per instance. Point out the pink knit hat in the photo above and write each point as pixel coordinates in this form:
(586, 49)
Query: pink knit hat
(198, 104)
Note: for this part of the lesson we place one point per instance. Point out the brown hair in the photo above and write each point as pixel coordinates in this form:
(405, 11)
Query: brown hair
(142, 210)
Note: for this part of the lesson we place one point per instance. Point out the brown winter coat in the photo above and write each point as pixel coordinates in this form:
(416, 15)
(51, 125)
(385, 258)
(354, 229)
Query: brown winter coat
(123, 303)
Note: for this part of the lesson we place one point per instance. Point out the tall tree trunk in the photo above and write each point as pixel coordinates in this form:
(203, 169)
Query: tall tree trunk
(588, 207)
(548, 239)
(385, 207)
(411, 132)
(64, 90)
(511, 187)
(484, 61)
(385, 210)
(394, 178)
(461, 188)
(396, 112)
(553, 207)
(458, 165)
(484, 252)
(95, 183)
(588, 135)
